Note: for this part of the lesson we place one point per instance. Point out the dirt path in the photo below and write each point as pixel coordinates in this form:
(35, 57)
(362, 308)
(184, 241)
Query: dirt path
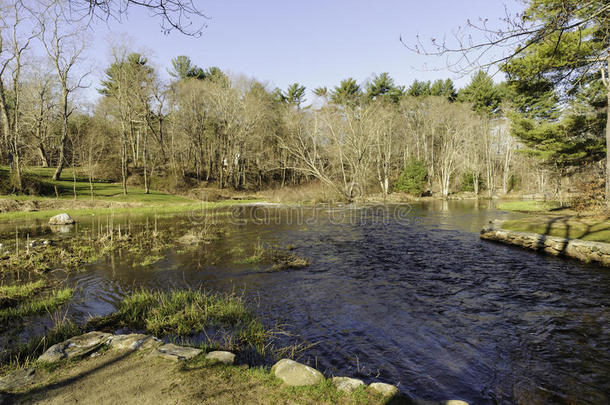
(136, 378)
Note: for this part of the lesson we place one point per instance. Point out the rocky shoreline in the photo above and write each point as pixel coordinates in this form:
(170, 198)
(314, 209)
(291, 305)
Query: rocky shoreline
(586, 251)
(90, 344)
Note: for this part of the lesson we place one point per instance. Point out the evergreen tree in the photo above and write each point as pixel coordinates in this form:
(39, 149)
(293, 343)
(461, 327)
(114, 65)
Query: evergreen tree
(183, 68)
(295, 94)
(347, 93)
(419, 89)
(482, 93)
(444, 88)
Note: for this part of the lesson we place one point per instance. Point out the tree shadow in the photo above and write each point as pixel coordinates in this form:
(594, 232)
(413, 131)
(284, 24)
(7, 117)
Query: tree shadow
(46, 388)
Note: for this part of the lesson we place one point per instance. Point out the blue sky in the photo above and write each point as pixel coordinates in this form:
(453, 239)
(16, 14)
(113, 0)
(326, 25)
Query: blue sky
(316, 43)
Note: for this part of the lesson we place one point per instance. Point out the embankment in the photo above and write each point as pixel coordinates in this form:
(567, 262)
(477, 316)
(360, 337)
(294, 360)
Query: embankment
(587, 251)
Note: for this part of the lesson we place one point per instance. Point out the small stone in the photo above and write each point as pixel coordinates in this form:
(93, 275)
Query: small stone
(347, 384)
(77, 346)
(456, 402)
(61, 219)
(387, 390)
(220, 356)
(17, 379)
(132, 341)
(174, 352)
(296, 374)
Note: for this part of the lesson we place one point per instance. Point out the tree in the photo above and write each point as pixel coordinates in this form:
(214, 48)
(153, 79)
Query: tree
(64, 45)
(419, 89)
(412, 179)
(347, 93)
(444, 88)
(128, 84)
(561, 41)
(482, 93)
(183, 68)
(383, 88)
(174, 14)
(295, 94)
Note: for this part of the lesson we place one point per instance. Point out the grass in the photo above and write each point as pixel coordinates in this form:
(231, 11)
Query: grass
(186, 312)
(279, 257)
(10, 295)
(529, 206)
(107, 198)
(596, 229)
(36, 306)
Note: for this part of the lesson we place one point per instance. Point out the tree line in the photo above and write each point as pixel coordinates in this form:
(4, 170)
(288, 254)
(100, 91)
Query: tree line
(205, 127)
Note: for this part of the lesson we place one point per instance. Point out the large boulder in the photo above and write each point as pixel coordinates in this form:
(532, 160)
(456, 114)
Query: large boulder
(296, 374)
(387, 390)
(77, 346)
(174, 352)
(347, 384)
(61, 219)
(221, 357)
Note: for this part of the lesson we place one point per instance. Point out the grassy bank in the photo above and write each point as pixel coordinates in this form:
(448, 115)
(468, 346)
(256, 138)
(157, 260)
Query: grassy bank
(529, 206)
(74, 196)
(573, 227)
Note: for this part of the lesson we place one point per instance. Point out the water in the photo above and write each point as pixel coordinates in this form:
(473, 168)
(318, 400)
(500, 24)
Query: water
(402, 294)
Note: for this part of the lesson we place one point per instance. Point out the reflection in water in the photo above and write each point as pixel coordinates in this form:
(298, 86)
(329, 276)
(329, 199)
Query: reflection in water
(404, 294)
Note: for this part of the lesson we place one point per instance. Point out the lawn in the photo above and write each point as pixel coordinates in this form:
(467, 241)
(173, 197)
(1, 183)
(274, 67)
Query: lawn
(107, 198)
(529, 206)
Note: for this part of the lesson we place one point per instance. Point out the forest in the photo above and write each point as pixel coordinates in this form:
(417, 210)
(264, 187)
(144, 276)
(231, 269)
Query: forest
(203, 127)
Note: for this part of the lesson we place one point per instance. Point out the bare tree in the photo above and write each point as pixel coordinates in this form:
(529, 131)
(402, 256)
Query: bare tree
(64, 44)
(15, 40)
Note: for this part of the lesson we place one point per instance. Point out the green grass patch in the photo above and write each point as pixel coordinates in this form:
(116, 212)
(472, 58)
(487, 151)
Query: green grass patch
(186, 312)
(36, 306)
(529, 206)
(280, 258)
(147, 208)
(596, 229)
(10, 295)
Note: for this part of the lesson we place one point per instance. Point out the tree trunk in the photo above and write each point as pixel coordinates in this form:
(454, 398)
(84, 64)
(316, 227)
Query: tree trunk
(64, 136)
(608, 137)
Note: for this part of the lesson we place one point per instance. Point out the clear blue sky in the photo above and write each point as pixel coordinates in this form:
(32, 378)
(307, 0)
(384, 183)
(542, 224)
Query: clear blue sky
(316, 42)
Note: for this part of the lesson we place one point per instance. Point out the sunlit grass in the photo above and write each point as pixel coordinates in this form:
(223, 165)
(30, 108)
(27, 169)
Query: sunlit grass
(37, 306)
(586, 228)
(11, 294)
(529, 206)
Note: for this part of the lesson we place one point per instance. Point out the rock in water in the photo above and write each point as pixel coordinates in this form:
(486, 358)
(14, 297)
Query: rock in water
(347, 384)
(456, 402)
(387, 390)
(177, 353)
(220, 356)
(77, 346)
(61, 219)
(296, 374)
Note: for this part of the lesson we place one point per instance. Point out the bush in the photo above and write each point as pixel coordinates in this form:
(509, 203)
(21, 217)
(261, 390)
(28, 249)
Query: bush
(412, 180)
(467, 182)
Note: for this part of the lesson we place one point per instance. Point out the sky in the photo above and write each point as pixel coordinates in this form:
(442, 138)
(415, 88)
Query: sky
(315, 43)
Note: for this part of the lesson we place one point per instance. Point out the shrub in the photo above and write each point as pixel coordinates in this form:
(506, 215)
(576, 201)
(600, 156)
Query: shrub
(412, 180)
(467, 182)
